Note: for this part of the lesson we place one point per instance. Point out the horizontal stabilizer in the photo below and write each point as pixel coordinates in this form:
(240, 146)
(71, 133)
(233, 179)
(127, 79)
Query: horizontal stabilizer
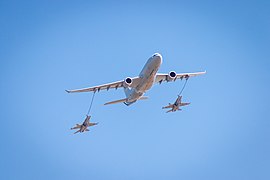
(124, 100)
(117, 101)
(143, 98)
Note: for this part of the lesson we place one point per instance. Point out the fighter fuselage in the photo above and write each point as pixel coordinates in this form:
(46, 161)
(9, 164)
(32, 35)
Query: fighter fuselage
(176, 105)
(84, 126)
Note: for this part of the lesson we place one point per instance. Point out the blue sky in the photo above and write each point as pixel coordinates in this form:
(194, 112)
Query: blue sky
(47, 47)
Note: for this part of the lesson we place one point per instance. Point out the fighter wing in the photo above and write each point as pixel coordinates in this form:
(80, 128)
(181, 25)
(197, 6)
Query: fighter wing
(78, 126)
(117, 84)
(184, 104)
(169, 106)
(160, 77)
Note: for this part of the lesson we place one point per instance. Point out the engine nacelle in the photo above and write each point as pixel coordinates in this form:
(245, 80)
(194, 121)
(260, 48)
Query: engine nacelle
(171, 76)
(127, 82)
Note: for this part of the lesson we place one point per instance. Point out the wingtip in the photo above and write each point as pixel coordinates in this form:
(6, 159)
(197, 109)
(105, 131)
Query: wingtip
(67, 91)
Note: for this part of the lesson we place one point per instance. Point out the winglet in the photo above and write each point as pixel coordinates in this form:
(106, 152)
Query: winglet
(67, 91)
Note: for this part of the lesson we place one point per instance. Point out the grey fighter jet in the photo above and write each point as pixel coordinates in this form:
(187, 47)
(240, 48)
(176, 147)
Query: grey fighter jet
(83, 127)
(176, 105)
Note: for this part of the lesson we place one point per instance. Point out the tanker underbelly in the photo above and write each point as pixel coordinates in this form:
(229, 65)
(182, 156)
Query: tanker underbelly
(134, 96)
(146, 85)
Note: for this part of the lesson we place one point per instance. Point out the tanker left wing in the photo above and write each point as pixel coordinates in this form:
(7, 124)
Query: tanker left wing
(128, 82)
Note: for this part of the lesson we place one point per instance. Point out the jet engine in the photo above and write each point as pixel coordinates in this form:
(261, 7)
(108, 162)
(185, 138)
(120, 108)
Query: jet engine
(171, 76)
(127, 82)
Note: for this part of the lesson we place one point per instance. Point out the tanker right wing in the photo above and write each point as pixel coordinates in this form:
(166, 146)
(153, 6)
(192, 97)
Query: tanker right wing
(172, 76)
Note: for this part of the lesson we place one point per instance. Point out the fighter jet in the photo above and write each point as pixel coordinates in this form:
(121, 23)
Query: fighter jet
(176, 105)
(83, 127)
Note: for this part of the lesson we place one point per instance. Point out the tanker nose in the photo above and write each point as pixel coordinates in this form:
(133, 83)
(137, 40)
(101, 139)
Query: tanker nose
(157, 57)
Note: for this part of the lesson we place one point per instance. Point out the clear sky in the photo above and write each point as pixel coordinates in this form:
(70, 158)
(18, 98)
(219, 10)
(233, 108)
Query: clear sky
(49, 46)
